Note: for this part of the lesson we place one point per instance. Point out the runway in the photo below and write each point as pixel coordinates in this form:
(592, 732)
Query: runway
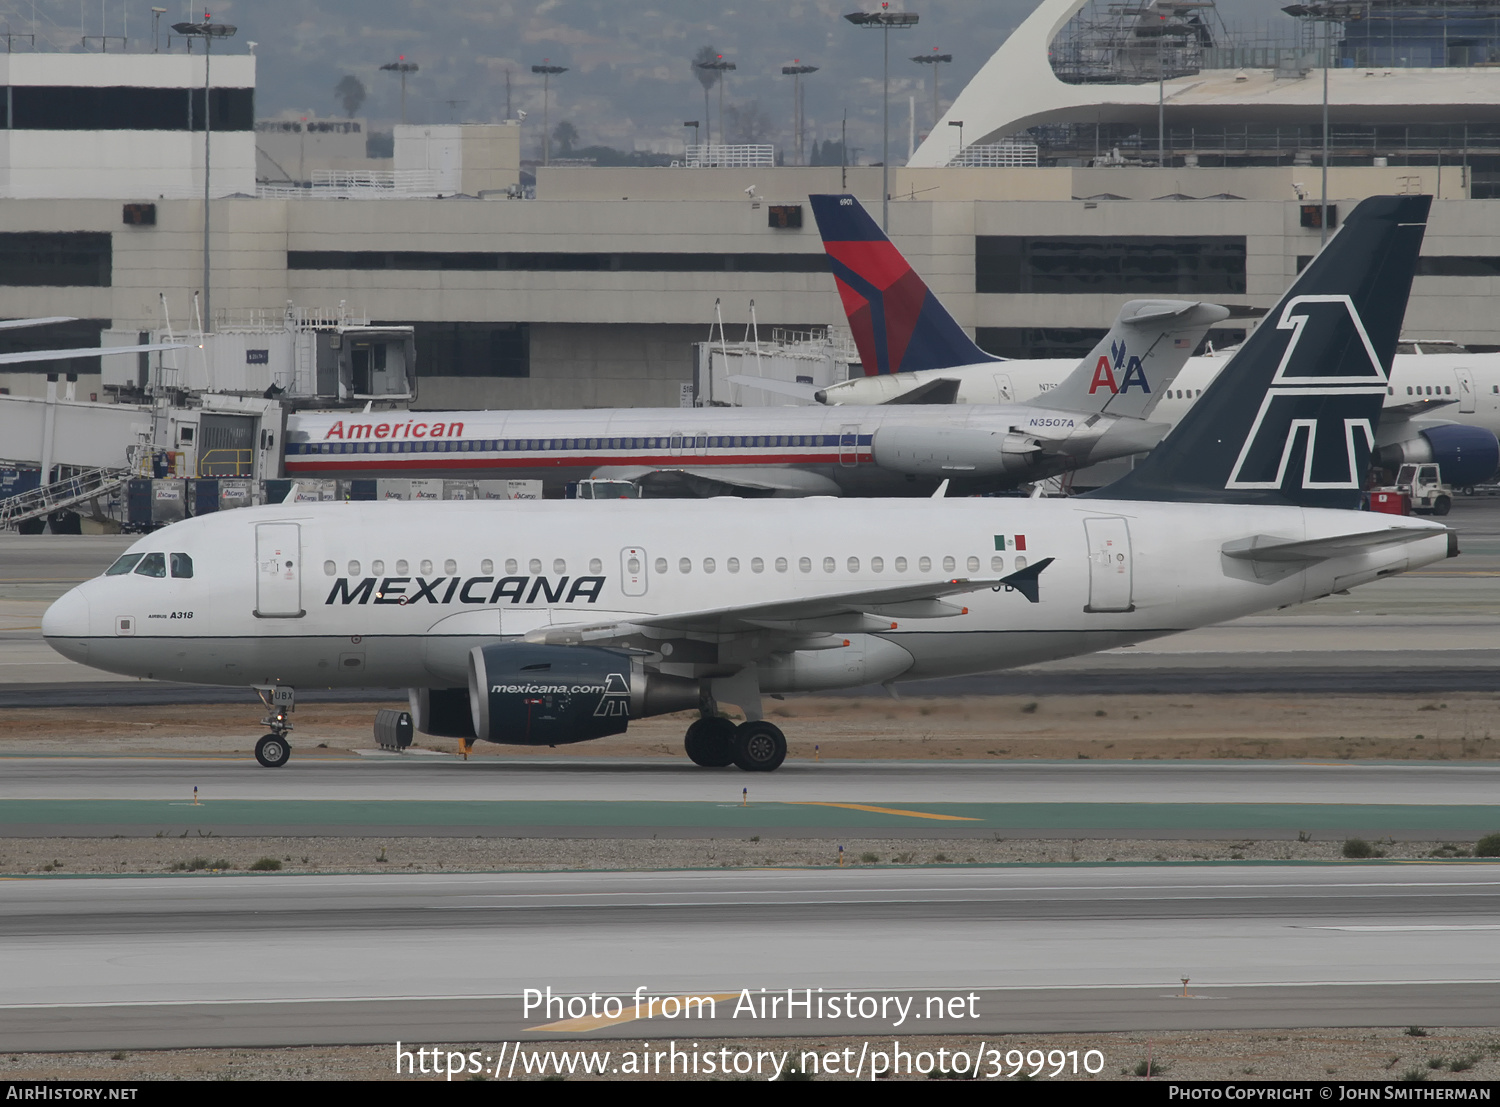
(441, 795)
(245, 960)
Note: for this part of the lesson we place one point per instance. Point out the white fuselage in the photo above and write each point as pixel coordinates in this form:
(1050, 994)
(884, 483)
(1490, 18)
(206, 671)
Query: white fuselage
(381, 595)
(1470, 381)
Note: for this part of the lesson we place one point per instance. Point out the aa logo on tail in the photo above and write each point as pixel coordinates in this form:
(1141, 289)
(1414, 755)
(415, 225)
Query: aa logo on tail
(1324, 397)
(616, 698)
(1132, 372)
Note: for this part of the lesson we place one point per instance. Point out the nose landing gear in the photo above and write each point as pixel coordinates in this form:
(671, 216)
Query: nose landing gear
(274, 750)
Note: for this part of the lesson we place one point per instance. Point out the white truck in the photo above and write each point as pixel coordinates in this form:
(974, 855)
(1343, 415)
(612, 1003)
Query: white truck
(1424, 485)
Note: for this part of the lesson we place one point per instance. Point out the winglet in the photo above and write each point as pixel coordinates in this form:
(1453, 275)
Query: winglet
(1024, 580)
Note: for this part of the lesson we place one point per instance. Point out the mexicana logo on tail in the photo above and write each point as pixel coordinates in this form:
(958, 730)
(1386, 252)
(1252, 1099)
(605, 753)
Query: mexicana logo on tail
(1290, 410)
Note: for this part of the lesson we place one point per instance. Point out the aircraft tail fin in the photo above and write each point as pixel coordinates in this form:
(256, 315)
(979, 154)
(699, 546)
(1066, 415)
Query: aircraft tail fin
(1133, 365)
(1292, 418)
(899, 325)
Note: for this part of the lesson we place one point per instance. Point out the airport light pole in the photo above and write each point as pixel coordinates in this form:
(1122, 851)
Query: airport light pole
(207, 31)
(721, 67)
(547, 70)
(933, 59)
(1327, 14)
(795, 71)
(886, 20)
(403, 67)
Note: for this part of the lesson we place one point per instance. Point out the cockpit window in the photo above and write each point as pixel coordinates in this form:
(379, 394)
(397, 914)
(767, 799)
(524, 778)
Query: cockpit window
(182, 565)
(123, 565)
(152, 565)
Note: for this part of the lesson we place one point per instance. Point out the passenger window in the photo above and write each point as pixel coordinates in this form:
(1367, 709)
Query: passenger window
(182, 566)
(949, 564)
(685, 565)
(511, 567)
(535, 566)
(559, 566)
(757, 565)
(1020, 564)
(330, 569)
(828, 564)
(924, 564)
(487, 567)
(597, 566)
(402, 568)
(733, 565)
(152, 565)
(123, 564)
(877, 564)
(377, 567)
(632, 565)
(450, 568)
(425, 568)
(708, 564)
(354, 569)
(661, 565)
(804, 564)
(973, 564)
(997, 564)
(854, 564)
(781, 564)
(900, 564)
(1408, 389)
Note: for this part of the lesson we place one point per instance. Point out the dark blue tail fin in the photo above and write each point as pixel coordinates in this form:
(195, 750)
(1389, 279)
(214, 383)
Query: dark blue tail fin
(1292, 417)
(898, 324)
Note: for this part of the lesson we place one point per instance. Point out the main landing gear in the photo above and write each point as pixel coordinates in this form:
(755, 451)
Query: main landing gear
(273, 750)
(756, 747)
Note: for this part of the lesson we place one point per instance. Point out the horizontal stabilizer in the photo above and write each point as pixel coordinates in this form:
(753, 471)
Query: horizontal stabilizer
(1265, 547)
(944, 390)
(806, 392)
(1024, 580)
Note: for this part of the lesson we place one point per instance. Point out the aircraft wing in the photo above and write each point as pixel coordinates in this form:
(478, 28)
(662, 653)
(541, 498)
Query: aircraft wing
(24, 356)
(867, 609)
(721, 480)
(14, 324)
(1417, 407)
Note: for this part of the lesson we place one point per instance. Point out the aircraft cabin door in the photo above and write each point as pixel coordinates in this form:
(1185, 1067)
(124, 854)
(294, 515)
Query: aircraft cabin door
(1004, 392)
(849, 444)
(1465, 389)
(1109, 564)
(633, 571)
(278, 571)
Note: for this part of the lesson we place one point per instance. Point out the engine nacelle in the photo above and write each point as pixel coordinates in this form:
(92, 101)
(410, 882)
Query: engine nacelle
(441, 712)
(1466, 455)
(532, 695)
(962, 451)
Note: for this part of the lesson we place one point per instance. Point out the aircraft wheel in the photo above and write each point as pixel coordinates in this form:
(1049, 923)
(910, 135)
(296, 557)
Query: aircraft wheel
(759, 747)
(1441, 505)
(710, 743)
(272, 751)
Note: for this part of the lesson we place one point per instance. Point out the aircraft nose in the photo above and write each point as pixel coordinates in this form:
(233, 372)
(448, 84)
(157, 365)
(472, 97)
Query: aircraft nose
(67, 618)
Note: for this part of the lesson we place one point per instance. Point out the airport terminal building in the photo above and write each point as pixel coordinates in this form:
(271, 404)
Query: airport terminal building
(591, 291)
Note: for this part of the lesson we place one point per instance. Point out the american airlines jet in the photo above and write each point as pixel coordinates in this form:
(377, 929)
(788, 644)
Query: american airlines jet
(1440, 406)
(544, 623)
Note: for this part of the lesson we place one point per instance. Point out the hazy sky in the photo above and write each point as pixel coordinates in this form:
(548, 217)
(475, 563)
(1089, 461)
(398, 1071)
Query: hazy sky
(630, 82)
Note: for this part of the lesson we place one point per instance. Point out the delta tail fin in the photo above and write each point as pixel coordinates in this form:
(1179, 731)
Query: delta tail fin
(1292, 418)
(1137, 361)
(899, 326)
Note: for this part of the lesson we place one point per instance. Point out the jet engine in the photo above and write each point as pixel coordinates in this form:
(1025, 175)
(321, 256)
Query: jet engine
(1466, 455)
(942, 452)
(532, 695)
(441, 712)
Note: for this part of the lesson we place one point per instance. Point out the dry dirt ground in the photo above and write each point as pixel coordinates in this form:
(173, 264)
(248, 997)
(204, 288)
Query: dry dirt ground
(1390, 1055)
(1447, 726)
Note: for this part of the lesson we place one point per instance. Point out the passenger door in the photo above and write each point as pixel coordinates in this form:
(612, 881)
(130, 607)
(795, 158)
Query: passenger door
(1465, 389)
(1109, 564)
(633, 571)
(849, 444)
(278, 571)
